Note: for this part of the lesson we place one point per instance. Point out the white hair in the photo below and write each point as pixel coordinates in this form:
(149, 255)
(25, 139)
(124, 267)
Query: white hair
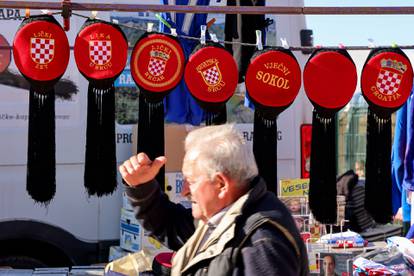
(221, 148)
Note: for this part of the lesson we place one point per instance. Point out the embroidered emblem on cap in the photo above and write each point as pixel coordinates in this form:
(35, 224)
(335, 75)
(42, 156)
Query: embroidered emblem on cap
(100, 52)
(211, 74)
(157, 62)
(42, 50)
(388, 82)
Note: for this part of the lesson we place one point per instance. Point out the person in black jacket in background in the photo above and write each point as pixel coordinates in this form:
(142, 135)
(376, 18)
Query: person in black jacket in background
(235, 226)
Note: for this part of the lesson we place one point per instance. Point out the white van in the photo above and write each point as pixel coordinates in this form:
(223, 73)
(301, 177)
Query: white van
(75, 229)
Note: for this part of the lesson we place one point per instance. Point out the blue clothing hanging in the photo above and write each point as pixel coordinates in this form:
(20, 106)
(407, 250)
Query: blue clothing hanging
(402, 158)
(180, 106)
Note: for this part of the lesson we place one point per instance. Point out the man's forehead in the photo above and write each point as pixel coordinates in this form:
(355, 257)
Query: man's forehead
(191, 155)
(190, 164)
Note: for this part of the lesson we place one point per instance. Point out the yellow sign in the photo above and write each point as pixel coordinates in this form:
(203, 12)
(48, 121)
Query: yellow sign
(294, 187)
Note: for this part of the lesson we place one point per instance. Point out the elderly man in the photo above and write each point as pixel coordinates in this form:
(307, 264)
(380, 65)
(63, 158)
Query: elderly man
(242, 229)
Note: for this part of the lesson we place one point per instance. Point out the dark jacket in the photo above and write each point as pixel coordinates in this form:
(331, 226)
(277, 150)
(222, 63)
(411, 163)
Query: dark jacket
(273, 248)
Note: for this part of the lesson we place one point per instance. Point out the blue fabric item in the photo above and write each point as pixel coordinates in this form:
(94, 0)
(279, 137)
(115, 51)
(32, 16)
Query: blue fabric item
(408, 183)
(248, 102)
(180, 106)
(397, 157)
(402, 158)
(409, 153)
(406, 207)
(410, 233)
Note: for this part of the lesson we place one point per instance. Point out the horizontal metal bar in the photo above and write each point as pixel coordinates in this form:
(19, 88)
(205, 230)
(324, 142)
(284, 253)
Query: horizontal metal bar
(357, 10)
(209, 9)
(297, 48)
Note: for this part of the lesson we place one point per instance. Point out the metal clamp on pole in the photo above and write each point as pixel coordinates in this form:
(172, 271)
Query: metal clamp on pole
(66, 14)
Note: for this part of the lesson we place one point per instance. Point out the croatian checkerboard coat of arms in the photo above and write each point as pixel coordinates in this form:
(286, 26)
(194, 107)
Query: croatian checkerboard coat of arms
(42, 50)
(100, 51)
(158, 62)
(211, 75)
(390, 76)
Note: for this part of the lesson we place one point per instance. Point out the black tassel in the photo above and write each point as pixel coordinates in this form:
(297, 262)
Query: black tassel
(217, 118)
(265, 149)
(41, 160)
(378, 183)
(151, 132)
(100, 156)
(322, 185)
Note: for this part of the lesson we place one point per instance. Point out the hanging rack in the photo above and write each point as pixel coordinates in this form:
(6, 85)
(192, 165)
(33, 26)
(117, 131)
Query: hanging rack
(211, 9)
(71, 6)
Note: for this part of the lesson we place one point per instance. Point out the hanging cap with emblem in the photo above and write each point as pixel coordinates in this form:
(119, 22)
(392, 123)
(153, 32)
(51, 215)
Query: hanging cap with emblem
(273, 80)
(100, 52)
(41, 53)
(157, 66)
(330, 79)
(386, 82)
(211, 76)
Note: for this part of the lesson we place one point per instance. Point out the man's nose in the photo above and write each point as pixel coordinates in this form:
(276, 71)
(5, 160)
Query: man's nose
(186, 190)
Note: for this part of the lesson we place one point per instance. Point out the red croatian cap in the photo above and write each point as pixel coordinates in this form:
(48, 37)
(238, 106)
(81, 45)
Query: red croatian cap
(330, 78)
(100, 51)
(387, 78)
(41, 50)
(5, 54)
(273, 78)
(157, 63)
(211, 75)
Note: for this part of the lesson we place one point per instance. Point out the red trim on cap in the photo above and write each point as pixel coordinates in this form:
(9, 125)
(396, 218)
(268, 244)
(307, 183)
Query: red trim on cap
(157, 63)
(41, 50)
(165, 259)
(211, 75)
(100, 51)
(330, 79)
(387, 79)
(273, 79)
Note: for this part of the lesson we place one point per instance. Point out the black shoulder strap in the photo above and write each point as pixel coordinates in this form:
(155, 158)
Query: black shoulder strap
(253, 229)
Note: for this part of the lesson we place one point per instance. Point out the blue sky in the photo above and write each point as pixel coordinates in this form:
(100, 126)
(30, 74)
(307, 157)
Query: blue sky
(355, 30)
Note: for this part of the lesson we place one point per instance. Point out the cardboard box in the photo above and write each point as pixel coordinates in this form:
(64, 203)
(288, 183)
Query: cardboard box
(174, 136)
(130, 232)
(152, 246)
(174, 182)
(83, 270)
(125, 202)
(174, 145)
(116, 252)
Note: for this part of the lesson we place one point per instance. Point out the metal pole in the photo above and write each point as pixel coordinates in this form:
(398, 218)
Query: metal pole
(210, 9)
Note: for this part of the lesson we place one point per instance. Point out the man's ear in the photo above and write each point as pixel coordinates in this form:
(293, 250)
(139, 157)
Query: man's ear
(223, 184)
